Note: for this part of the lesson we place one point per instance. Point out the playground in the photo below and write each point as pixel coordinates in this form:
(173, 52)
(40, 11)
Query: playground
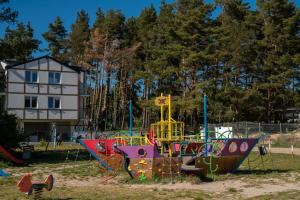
(163, 163)
(82, 180)
(150, 99)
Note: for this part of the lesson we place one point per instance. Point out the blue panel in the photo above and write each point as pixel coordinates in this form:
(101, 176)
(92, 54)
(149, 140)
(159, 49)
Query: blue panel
(57, 78)
(34, 77)
(28, 76)
(51, 78)
(50, 102)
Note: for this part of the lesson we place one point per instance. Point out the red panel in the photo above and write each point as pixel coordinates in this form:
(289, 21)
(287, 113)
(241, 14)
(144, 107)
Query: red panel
(11, 157)
(107, 143)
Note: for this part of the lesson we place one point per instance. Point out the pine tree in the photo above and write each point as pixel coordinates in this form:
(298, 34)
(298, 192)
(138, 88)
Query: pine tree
(79, 35)
(58, 43)
(99, 22)
(6, 13)
(234, 57)
(277, 47)
(193, 32)
(19, 44)
(145, 30)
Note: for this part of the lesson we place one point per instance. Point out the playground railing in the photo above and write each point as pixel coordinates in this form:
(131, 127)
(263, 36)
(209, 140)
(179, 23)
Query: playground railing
(132, 140)
(194, 138)
(168, 131)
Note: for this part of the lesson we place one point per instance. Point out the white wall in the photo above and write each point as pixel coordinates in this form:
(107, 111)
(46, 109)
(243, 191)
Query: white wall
(54, 66)
(43, 64)
(70, 90)
(15, 100)
(16, 87)
(69, 102)
(67, 91)
(43, 77)
(16, 75)
(31, 88)
(69, 78)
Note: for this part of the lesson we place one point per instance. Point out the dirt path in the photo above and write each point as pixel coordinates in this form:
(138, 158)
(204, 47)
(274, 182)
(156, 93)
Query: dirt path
(244, 188)
(264, 189)
(283, 150)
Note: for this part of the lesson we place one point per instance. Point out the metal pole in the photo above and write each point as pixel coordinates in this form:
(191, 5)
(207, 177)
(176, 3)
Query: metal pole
(130, 113)
(246, 130)
(170, 128)
(54, 134)
(205, 124)
(169, 120)
(280, 128)
(162, 133)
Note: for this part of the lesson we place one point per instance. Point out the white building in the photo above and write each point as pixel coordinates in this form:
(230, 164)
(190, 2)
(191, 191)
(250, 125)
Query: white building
(43, 91)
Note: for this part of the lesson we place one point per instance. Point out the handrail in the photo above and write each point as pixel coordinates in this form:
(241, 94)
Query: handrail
(163, 132)
(132, 140)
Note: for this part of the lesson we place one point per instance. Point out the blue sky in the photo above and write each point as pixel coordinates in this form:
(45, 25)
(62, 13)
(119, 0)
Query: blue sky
(42, 12)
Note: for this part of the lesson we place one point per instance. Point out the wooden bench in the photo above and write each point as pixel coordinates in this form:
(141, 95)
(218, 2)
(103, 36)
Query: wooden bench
(27, 148)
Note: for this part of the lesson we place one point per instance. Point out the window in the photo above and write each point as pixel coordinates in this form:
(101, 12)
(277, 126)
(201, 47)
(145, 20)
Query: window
(53, 102)
(30, 102)
(31, 76)
(54, 78)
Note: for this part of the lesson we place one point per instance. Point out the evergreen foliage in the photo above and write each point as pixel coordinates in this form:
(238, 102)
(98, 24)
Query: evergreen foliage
(9, 135)
(79, 35)
(19, 43)
(57, 39)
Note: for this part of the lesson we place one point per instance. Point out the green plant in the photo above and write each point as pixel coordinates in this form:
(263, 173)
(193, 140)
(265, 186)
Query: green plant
(142, 177)
(42, 143)
(232, 190)
(9, 134)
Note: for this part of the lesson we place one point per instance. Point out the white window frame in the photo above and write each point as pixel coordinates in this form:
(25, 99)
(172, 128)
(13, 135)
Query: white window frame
(54, 73)
(53, 103)
(31, 97)
(31, 76)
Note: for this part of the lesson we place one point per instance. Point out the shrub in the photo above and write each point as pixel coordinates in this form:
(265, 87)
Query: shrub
(9, 134)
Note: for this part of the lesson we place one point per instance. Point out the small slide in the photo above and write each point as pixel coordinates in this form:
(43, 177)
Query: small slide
(90, 145)
(9, 156)
(3, 173)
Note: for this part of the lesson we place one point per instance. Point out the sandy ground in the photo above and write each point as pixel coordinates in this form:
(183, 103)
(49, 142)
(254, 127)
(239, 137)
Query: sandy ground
(285, 150)
(244, 188)
(296, 151)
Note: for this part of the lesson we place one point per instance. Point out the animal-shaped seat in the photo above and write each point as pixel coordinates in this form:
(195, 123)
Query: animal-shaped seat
(27, 186)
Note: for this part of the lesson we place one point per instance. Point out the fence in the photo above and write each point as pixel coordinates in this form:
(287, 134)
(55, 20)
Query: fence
(281, 134)
(249, 128)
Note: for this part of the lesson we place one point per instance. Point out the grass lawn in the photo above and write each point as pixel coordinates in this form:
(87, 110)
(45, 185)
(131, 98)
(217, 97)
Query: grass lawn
(83, 180)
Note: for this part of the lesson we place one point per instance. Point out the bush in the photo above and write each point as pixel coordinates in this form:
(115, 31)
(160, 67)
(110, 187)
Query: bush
(42, 143)
(9, 135)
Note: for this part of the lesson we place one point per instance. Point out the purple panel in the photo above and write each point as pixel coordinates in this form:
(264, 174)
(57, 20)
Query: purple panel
(133, 151)
(238, 146)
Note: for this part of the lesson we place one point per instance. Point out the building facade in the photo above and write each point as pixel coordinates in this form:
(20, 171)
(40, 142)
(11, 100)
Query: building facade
(43, 93)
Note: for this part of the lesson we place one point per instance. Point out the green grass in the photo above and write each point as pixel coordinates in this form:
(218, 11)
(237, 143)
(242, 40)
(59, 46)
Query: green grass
(42, 146)
(276, 166)
(105, 192)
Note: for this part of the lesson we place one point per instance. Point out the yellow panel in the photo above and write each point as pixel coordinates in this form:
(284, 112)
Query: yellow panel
(161, 101)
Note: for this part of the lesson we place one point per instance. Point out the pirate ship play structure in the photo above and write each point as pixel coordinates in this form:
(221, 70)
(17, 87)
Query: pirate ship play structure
(167, 151)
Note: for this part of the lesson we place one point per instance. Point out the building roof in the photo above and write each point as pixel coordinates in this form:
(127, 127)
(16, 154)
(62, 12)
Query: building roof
(73, 67)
